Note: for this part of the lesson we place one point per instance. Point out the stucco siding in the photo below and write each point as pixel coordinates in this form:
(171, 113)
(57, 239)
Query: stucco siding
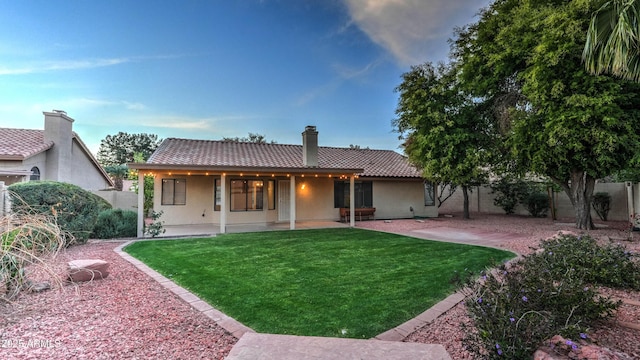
(82, 171)
(394, 200)
(481, 200)
(315, 201)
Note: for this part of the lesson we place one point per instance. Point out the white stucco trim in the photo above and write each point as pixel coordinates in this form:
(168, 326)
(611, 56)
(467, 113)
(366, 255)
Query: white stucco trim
(352, 201)
(223, 203)
(292, 202)
(140, 204)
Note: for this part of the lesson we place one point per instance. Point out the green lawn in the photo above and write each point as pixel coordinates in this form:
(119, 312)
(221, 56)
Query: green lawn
(330, 282)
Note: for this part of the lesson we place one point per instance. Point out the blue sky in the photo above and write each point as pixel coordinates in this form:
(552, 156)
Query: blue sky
(221, 68)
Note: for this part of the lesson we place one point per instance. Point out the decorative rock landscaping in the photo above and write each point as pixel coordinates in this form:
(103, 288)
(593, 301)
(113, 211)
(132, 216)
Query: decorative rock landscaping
(87, 270)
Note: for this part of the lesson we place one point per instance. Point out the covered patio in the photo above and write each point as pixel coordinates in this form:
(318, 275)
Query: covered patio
(214, 229)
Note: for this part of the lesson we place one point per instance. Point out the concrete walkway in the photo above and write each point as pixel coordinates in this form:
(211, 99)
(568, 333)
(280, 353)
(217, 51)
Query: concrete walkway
(385, 346)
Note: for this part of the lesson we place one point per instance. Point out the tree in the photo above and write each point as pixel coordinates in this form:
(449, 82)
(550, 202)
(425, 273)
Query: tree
(613, 40)
(443, 130)
(252, 138)
(524, 58)
(118, 173)
(148, 185)
(119, 149)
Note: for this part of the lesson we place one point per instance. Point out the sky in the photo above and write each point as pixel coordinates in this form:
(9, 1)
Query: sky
(202, 69)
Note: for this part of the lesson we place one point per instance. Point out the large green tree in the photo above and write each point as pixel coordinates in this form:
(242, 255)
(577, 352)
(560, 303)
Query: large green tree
(119, 149)
(613, 40)
(443, 129)
(523, 57)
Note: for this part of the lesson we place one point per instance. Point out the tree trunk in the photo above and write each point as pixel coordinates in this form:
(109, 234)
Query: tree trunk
(465, 195)
(580, 191)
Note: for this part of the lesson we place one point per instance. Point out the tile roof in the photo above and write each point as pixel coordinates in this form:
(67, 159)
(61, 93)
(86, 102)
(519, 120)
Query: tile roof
(20, 144)
(220, 154)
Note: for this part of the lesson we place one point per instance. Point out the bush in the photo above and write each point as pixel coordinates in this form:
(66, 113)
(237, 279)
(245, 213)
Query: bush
(548, 293)
(601, 203)
(537, 204)
(26, 240)
(509, 193)
(116, 223)
(75, 210)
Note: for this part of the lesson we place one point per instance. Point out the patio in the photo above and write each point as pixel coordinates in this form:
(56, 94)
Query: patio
(214, 229)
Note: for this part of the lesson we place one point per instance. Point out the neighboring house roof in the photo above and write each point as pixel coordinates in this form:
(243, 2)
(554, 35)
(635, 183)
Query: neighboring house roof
(21, 144)
(208, 154)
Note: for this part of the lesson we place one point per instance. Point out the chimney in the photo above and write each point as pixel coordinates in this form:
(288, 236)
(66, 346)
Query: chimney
(58, 129)
(310, 146)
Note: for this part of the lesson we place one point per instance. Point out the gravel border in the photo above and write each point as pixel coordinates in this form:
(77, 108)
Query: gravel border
(128, 315)
(446, 329)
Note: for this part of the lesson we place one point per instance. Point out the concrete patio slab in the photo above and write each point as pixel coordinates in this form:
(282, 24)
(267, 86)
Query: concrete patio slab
(253, 346)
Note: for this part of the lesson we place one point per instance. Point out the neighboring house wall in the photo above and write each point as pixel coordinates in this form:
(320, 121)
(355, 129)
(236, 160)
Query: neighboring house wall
(481, 200)
(84, 172)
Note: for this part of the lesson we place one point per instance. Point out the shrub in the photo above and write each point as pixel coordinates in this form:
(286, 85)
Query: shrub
(509, 193)
(155, 228)
(601, 203)
(116, 223)
(26, 240)
(74, 209)
(548, 293)
(537, 204)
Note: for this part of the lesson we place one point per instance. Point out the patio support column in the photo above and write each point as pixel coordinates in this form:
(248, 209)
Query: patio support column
(140, 204)
(352, 201)
(292, 203)
(223, 203)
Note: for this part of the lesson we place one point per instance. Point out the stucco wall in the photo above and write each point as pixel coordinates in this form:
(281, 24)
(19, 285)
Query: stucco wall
(481, 200)
(125, 200)
(83, 171)
(394, 199)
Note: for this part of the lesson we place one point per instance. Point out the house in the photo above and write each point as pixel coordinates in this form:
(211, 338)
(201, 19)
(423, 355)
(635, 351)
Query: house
(230, 183)
(55, 153)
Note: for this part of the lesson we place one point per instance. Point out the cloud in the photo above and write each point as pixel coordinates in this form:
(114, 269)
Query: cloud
(414, 31)
(67, 65)
(63, 65)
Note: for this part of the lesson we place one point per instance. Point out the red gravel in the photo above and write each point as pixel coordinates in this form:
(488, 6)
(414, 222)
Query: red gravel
(130, 316)
(125, 316)
(446, 329)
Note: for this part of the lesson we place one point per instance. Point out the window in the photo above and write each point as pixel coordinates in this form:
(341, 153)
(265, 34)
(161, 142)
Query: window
(363, 194)
(429, 194)
(217, 195)
(246, 195)
(35, 173)
(271, 194)
(174, 191)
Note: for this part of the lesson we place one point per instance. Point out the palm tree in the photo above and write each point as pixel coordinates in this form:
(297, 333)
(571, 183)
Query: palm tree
(613, 40)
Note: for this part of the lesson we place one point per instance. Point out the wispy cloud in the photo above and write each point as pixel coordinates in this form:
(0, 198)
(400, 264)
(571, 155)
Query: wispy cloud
(347, 72)
(414, 31)
(191, 123)
(67, 65)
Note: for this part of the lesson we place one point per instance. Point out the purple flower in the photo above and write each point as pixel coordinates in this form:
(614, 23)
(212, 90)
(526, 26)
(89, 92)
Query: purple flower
(583, 336)
(479, 300)
(512, 319)
(525, 299)
(550, 252)
(499, 352)
(498, 348)
(539, 290)
(569, 342)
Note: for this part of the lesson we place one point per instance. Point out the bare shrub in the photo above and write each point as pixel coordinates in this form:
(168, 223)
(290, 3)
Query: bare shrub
(27, 240)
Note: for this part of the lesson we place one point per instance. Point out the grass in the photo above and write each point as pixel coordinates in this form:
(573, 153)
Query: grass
(329, 282)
